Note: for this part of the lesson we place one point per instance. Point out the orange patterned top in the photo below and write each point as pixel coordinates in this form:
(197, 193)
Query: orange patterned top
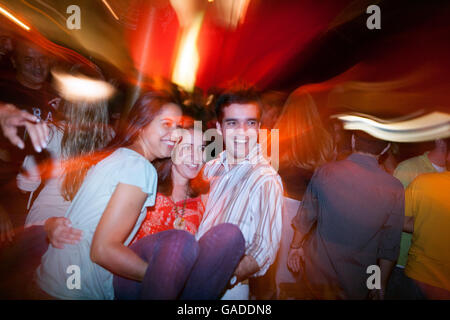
(162, 216)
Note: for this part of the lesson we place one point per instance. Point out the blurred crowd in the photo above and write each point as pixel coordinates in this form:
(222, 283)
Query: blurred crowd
(93, 184)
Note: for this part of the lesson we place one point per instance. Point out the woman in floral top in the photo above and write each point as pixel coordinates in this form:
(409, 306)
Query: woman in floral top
(178, 203)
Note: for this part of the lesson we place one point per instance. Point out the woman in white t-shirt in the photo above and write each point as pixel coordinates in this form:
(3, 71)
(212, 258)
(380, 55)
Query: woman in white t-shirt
(55, 180)
(109, 208)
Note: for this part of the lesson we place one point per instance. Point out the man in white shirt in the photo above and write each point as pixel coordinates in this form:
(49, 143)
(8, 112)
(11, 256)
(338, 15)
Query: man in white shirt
(245, 189)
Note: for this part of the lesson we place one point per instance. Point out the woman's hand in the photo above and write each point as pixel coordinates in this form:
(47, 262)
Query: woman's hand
(59, 231)
(295, 258)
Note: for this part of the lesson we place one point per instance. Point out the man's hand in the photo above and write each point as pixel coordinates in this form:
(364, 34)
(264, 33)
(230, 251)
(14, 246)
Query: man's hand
(59, 231)
(11, 118)
(246, 268)
(295, 258)
(6, 227)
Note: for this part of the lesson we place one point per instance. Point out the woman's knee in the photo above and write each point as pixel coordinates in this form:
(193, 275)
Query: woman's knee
(181, 240)
(229, 233)
(165, 241)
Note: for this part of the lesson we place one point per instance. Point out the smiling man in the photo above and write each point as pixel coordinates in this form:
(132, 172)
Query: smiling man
(245, 189)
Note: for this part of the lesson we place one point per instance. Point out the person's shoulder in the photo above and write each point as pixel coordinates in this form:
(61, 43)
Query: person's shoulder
(264, 168)
(432, 178)
(392, 180)
(265, 174)
(330, 167)
(127, 160)
(410, 163)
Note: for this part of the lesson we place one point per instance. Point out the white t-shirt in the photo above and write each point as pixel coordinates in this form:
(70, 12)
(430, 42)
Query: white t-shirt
(122, 166)
(49, 203)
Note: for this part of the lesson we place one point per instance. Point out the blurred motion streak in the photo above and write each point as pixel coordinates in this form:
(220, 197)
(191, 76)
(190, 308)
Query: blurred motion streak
(110, 9)
(82, 88)
(232, 12)
(11, 17)
(435, 125)
(186, 65)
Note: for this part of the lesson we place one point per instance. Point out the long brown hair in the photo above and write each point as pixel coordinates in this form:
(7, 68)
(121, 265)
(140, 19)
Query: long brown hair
(304, 141)
(86, 131)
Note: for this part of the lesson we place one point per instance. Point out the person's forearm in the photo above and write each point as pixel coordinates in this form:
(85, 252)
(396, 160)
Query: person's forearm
(297, 240)
(386, 267)
(246, 268)
(120, 260)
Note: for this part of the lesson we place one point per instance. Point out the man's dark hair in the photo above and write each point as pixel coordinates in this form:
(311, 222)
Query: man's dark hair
(368, 144)
(240, 96)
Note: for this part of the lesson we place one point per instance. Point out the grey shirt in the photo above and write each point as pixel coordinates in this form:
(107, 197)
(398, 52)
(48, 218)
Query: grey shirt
(351, 216)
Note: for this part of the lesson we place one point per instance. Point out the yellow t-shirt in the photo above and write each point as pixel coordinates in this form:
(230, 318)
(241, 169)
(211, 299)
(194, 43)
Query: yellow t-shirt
(406, 172)
(427, 199)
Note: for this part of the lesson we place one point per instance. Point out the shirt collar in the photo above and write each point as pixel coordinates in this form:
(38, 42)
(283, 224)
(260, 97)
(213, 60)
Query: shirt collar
(253, 157)
(365, 160)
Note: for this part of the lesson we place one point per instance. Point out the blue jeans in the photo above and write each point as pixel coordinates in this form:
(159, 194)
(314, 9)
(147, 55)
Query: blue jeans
(179, 267)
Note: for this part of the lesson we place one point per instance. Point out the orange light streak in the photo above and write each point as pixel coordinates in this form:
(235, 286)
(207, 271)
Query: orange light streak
(186, 65)
(110, 9)
(11, 17)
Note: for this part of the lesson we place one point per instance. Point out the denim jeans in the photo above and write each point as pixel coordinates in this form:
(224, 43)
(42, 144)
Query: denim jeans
(179, 267)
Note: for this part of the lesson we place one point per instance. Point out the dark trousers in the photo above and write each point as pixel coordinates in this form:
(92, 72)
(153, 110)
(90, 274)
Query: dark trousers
(401, 287)
(19, 261)
(179, 267)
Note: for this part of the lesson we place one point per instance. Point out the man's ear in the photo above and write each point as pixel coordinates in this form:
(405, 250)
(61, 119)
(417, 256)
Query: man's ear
(219, 128)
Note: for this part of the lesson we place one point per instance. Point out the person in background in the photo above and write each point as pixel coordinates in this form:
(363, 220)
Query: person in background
(272, 103)
(6, 49)
(351, 217)
(305, 144)
(11, 119)
(53, 182)
(430, 162)
(27, 89)
(428, 211)
(389, 160)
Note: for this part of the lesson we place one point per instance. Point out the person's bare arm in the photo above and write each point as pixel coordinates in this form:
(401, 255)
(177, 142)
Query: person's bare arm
(11, 118)
(386, 267)
(295, 254)
(114, 227)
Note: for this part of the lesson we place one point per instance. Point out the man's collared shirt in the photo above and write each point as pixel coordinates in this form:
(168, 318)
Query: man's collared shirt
(250, 195)
(351, 216)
